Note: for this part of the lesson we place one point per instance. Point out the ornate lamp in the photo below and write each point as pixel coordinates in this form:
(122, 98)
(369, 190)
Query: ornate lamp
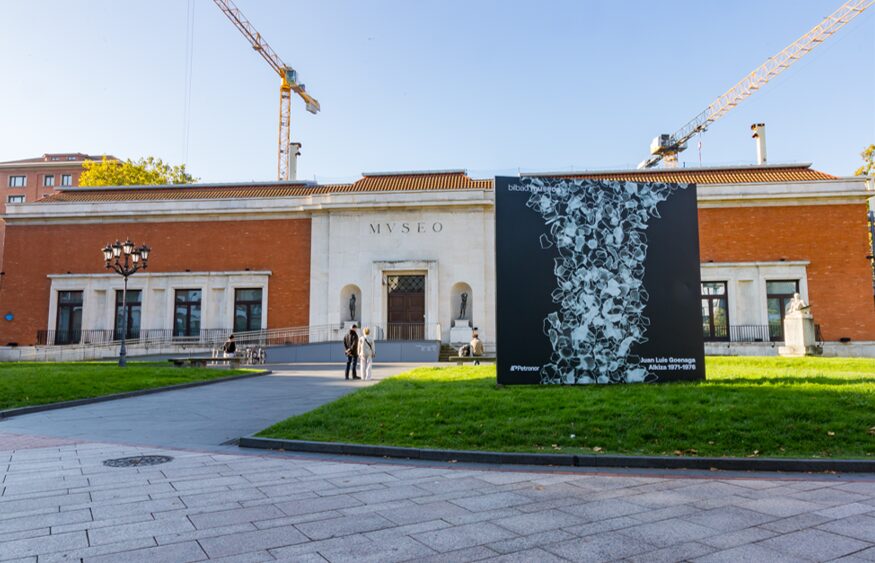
(125, 259)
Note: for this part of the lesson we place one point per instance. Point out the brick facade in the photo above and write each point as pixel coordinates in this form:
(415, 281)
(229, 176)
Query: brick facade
(34, 187)
(35, 170)
(34, 251)
(768, 224)
(834, 238)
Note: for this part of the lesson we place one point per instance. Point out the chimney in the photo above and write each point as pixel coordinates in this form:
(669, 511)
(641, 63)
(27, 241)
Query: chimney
(759, 133)
(294, 153)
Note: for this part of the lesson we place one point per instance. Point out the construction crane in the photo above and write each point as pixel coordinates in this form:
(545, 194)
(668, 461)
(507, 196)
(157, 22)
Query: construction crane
(666, 147)
(289, 84)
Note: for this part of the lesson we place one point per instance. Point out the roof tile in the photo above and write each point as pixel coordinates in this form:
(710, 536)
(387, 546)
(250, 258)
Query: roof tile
(741, 175)
(427, 181)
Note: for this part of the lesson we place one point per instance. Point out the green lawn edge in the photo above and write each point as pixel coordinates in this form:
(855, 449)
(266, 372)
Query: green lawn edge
(748, 407)
(26, 384)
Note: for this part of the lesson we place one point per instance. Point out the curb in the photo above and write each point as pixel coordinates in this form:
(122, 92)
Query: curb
(9, 413)
(793, 465)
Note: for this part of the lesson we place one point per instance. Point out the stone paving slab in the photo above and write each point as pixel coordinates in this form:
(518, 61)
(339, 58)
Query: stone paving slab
(235, 507)
(58, 502)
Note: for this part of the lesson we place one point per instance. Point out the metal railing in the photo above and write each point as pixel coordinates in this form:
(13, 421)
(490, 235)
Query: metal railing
(405, 331)
(216, 336)
(66, 337)
(746, 333)
(772, 332)
(111, 337)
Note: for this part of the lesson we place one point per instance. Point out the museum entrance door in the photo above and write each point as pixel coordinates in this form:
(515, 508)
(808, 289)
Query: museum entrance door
(406, 307)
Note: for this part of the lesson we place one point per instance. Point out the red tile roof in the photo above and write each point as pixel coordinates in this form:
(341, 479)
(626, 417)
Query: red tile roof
(734, 175)
(193, 191)
(373, 182)
(402, 181)
(427, 181)
(60, 157)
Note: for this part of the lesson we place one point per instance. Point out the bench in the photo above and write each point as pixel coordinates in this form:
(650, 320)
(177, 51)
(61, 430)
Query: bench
(470, 359)
(233, 363)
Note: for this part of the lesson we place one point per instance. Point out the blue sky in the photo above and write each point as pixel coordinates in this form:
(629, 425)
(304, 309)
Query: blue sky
(491, 86)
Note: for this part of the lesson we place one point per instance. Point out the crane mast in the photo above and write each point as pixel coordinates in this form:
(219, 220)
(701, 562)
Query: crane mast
(667, 146)
(289, 83)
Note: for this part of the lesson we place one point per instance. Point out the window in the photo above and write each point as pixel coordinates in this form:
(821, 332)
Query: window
(17, 181)
(71, 158)
(132, 330)
(15, 199)
(66, 179)
(715, 316)
(68, 325)
(188, 313)
(778, 295)
(49, 180)
(247, 310)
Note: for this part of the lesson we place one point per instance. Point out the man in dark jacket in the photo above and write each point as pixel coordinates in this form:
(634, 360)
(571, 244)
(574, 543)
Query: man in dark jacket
(351, 346)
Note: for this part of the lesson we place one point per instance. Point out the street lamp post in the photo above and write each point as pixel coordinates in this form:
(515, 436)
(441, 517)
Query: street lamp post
(124, 258)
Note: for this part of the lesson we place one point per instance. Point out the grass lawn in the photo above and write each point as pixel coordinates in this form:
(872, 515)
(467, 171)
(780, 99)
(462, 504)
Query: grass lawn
(32, 383)
(776, 407)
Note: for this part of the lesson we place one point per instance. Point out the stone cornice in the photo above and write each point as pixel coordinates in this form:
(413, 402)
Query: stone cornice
(142, 275)
(242, 208)
(841, 191)
(772, 263)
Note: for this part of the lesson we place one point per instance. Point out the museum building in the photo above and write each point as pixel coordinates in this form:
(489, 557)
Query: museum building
(401, 251)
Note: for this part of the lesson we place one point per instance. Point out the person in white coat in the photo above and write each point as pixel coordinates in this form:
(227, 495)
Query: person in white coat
(367, 353)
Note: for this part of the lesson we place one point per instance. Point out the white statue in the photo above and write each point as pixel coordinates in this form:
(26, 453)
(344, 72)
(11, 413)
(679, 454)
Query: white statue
(796, 304)
(800, 332)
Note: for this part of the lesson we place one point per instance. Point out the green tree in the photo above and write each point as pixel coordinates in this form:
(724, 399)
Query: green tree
(147, 171)
(868, 168)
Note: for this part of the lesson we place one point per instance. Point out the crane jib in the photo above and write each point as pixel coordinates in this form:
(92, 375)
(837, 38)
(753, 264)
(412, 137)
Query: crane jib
(289, 83)
(668, 146)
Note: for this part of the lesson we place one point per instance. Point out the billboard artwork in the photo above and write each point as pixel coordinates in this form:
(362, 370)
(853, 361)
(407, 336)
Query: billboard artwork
(597, 281)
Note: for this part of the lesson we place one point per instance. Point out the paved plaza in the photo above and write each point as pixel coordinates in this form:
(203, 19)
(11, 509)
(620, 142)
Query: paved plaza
(59, 502)
(204, 416)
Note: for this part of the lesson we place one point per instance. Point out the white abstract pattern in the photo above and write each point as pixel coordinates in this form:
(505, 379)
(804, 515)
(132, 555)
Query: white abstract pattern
(598, 230)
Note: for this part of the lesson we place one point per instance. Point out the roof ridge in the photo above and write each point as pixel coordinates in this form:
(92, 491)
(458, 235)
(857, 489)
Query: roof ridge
(690, 169)
(454, 171)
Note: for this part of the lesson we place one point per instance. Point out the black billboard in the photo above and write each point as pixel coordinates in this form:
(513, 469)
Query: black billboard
(597, 281)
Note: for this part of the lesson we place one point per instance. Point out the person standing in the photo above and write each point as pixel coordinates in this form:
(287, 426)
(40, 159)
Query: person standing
(476, 348)
(229, 349)
(351, 346)
(367, 353)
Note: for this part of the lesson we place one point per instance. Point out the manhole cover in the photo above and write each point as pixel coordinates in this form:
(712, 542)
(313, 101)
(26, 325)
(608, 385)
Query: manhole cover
(137, 461)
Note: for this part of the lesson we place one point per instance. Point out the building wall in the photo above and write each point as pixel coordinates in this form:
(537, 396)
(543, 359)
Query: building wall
(34, 174)
(356, 250)
(33, 252)
(823, 245)
(34, 186)
(833, 239)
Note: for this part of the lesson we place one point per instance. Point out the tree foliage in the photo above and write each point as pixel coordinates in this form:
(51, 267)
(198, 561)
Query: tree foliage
(147, 171)
(868, 168)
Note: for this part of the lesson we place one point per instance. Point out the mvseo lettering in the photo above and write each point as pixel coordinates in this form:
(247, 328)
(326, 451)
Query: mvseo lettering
(405, 228)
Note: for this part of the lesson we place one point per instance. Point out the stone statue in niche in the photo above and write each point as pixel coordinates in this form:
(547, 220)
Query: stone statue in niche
(797, 305)
(463, 308)
(352, 307)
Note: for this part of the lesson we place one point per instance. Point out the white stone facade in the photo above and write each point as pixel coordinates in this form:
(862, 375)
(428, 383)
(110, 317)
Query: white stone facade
(746, 285)
(157, 298)
(354, 251)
